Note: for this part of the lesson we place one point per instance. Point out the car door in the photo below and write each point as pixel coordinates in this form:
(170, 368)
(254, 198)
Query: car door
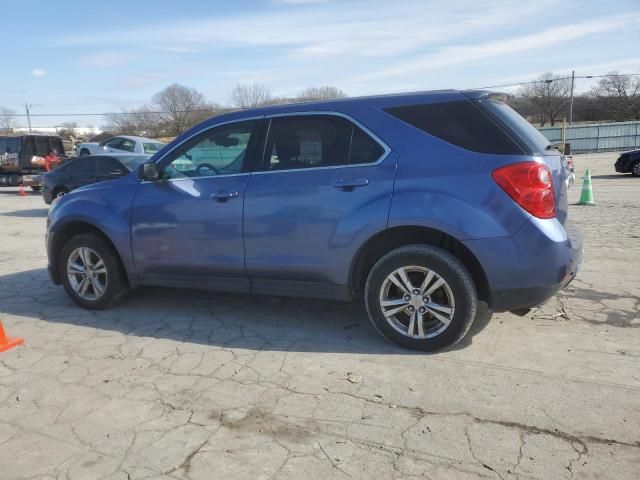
(187, 227)
(323, 186)
(109, 168)
(81, 172)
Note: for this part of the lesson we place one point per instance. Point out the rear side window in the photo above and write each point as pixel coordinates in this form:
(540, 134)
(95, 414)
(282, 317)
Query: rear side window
(83, 166)
(312, 141)
(459, 123)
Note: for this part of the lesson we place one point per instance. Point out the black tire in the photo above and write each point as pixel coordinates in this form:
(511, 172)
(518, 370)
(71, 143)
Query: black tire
(445, 265)
(115, 287)
(36, 188)
(635, 169)
(84, 152)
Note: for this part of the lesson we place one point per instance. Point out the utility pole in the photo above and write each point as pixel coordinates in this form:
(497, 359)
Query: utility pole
(573, 78)
(26, 107)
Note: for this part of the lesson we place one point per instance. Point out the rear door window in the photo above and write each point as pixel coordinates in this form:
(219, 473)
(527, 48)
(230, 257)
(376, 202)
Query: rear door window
(83, 167)
(313, 141)
(460, 123)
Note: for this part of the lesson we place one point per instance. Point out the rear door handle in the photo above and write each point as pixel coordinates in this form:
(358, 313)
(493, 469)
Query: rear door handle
(350, 183)
(223, 195)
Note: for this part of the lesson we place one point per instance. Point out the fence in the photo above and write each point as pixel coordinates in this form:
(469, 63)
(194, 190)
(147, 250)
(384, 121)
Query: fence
(601, 137)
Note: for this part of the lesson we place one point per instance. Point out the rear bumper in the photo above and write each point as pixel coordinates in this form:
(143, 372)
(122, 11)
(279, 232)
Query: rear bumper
(527, 269)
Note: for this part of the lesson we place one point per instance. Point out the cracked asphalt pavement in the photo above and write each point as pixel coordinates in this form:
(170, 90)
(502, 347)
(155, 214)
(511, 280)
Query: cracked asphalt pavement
(181, 384)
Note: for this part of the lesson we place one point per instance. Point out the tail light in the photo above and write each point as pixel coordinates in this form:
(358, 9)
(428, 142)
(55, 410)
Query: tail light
(530, 185)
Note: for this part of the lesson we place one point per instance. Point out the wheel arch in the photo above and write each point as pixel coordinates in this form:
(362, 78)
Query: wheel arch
(77, 227)
(386, 240)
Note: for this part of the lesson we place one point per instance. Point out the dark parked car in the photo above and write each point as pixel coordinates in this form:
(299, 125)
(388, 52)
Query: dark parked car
(420, 204)
(86, 170)
(629, 162)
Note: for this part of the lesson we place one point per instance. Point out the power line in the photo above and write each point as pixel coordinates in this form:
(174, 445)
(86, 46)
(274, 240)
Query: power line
(560, 78)
(146, 112)
(203, 110)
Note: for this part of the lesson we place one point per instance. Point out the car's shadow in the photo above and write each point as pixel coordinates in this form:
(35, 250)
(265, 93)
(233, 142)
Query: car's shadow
(34, 212)
(226, 320)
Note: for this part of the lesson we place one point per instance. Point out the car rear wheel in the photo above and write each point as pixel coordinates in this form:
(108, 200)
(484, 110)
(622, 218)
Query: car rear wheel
(91, 272)
(635, 169)
(421, 297)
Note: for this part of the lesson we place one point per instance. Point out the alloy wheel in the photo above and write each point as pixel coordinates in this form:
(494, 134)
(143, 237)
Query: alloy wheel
(87, 273)
(417, 302)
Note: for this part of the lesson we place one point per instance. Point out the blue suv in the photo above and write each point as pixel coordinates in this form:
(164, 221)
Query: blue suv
(421, 204)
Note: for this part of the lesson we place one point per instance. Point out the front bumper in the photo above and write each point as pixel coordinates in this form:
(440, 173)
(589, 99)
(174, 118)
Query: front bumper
(525, 270)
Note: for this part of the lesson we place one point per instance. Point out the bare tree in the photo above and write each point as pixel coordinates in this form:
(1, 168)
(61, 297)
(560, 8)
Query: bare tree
(549, 97)
(68, 131)
(321, 93)
(142, 121)
(7, 118)
(181, 107)
(621, 93)
(251, 96)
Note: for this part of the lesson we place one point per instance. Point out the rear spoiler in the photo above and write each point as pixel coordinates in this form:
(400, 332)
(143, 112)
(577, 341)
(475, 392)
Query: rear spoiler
(485, 95)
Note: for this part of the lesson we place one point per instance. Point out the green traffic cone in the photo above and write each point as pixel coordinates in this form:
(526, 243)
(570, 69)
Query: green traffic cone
(586, 196)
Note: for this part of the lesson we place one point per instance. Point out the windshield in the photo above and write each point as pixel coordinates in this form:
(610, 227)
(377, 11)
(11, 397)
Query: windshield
(132, 162)
(152, 147)
(515, 121)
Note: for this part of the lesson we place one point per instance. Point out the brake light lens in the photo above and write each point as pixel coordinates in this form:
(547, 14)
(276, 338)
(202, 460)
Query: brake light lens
(530, 185)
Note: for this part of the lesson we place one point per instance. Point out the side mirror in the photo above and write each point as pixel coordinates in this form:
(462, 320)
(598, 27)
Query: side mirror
(149, 171)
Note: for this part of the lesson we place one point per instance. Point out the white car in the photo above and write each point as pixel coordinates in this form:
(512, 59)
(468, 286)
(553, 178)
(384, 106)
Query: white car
(121, 144)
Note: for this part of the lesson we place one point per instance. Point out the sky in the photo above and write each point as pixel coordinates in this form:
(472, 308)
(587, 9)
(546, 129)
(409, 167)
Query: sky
(93, 57)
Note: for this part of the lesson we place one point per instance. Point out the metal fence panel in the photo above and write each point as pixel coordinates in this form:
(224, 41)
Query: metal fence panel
(600, 137)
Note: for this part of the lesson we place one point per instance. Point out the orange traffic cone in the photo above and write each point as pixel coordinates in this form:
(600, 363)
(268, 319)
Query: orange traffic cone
(21, 191)
(8, 342)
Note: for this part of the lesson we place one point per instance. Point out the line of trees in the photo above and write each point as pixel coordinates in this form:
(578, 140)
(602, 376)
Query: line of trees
(546, 100)
(177, 108)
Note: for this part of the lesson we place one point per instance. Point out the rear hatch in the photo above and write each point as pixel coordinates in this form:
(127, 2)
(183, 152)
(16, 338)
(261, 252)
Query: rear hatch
(533, 142)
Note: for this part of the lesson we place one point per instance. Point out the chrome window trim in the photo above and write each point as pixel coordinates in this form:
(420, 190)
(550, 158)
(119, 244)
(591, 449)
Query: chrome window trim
(376, 138)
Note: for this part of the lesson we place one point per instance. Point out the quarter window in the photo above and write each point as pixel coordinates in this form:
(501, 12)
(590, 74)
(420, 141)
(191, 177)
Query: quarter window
(461, 123)
(218, 151)
(311, 141)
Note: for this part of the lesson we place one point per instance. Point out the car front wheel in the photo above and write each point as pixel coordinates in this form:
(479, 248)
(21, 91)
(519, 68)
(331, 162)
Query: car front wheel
(635, 169)
(91, 272)
(421, 297)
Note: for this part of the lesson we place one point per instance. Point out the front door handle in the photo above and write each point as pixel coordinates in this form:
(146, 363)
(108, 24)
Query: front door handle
(350, 183)
(223, 195)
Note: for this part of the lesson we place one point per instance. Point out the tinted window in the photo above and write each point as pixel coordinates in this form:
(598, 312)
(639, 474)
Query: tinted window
(531, 135)
(108, 165)
(311, 141)
(218, 151)
(364, 149)
(9, 145)
(83, 166)
(460, 123)
(42, 146)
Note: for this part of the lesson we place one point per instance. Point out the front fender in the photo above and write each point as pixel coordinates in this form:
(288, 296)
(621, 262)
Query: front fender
(105, 206)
